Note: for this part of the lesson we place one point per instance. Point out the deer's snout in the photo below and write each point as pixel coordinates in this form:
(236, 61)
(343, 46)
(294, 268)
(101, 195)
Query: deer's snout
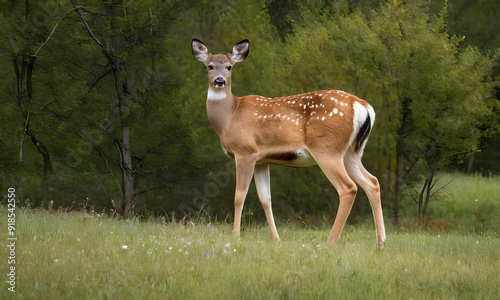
(219, 82)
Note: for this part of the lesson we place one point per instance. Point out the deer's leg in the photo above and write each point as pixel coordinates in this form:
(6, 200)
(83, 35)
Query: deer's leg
(370, 185)
(244, 171)
(333, 168)
(263, 185)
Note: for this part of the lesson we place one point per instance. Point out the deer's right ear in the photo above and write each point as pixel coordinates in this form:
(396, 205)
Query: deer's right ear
(200, 50)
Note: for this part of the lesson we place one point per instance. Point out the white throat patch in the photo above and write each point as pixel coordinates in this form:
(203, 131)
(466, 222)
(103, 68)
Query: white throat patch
(216, 95)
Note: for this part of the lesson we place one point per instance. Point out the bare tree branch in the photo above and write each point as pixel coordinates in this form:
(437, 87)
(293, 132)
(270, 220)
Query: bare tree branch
(78, 10)
(48, 38)
(152, 188)
(441, 188)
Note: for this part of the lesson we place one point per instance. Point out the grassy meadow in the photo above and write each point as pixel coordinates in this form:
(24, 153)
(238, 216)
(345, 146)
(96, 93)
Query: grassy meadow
(87, 255)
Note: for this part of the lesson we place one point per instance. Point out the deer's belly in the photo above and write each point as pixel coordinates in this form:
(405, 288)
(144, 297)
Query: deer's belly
(295, 158)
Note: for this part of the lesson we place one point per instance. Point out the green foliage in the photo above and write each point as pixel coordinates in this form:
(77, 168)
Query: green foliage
(434, 101)
(74, 106)
(282, 14)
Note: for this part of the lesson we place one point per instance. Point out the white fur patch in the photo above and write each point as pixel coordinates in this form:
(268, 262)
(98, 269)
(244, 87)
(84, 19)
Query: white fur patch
(360, 114)
(216, 95)
(304, 159)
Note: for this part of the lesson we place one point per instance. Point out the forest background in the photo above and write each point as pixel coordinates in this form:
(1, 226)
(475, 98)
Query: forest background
(103, 105)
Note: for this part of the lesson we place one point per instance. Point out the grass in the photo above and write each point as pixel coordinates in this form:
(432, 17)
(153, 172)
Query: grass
(468, 202)
(82, 255)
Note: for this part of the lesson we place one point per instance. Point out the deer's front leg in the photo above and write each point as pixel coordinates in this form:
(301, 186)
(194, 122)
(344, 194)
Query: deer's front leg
(263, 185)
(244, 172)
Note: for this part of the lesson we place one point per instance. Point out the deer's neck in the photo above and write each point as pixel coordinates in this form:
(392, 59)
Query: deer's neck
(220, 106)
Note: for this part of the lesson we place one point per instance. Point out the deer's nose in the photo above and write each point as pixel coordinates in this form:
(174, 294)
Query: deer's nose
(219, 82)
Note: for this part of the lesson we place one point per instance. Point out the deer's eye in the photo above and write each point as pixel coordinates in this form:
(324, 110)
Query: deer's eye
(210, 67)
(229, 68)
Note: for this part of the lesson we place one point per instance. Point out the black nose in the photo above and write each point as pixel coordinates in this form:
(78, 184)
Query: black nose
(219, 82)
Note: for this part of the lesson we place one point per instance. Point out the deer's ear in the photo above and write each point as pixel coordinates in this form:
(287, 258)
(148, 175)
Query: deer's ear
(239, 51)
(200, 50)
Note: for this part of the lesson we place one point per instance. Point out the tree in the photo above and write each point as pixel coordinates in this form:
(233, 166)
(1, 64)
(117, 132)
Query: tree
(92, 96)
(127, 33)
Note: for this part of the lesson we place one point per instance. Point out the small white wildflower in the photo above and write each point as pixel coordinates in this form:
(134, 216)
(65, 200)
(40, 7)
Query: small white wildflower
(78, 239)
(188, 243)
(125, 247)
(227, 245)
(476, 200)
(57, 260)
(170, 248)
(234, 250)
(303, 245)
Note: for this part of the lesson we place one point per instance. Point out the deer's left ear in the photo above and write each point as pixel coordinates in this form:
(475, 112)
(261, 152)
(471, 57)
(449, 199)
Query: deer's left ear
(239, 52)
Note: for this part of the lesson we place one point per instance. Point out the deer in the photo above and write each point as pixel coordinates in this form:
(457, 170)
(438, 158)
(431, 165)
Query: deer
(328, 128)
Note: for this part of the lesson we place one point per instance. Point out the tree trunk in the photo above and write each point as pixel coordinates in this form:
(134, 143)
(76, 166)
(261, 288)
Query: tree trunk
(47, 167)
(430, 186)
(127, 174)
(470, 165)
(397, 189)
(125, 95)
(421, 199)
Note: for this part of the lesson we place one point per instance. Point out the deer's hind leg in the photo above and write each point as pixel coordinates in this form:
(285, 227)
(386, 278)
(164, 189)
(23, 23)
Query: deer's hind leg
(370, 185)
(333, 168)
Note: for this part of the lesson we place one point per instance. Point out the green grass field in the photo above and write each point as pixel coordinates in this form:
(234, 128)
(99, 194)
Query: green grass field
(82, 255)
